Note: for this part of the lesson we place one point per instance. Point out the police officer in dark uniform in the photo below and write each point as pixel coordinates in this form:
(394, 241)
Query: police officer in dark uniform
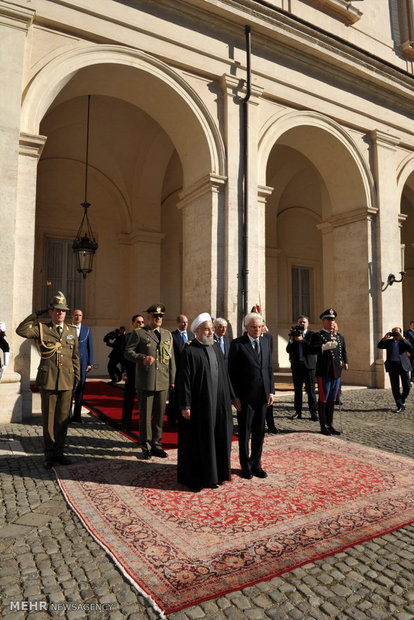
(151, 348)
(330, 348)
(58, 373)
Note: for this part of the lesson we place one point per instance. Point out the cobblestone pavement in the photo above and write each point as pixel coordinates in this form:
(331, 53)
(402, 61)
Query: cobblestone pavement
(47, 556)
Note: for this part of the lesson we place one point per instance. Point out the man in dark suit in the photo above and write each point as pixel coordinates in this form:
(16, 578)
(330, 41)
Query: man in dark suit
(251, 374)
(397, 364)
(409, 334)
(129, 377)
(303, 364)
(85, 350)
(220, 336)
(181, 336)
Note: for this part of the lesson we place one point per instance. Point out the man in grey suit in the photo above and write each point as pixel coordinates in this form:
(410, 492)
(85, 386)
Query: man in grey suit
(251, 375)
(151, 348)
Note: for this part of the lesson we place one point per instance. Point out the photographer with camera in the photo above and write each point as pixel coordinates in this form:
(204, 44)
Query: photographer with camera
(303, 363)
(397, 364)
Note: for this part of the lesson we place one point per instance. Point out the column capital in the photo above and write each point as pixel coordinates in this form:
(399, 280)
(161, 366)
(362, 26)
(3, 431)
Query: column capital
(350, 217)
(141, 236)
(401, 219)
(31, 145)
(264, 192)
(237, 87)
(379, 138)
(15, 16)
(211, 183)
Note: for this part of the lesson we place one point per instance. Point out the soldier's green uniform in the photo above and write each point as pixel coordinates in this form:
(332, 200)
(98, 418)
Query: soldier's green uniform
(58, 370)
(151, 382)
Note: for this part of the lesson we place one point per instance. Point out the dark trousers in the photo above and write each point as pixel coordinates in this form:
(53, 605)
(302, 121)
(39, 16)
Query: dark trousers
(114, 371)
(128, 402)
(302, 375)
(76, 405)
(396, 371)
(55, 417)
(251, 422)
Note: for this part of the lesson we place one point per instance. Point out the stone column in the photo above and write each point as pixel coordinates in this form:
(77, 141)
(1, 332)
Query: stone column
(388, 248)
(203, 245)
(348, 258)
(14, 24)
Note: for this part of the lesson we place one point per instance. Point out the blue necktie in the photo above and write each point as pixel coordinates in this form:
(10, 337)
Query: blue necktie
(184, 336)
(222, 344)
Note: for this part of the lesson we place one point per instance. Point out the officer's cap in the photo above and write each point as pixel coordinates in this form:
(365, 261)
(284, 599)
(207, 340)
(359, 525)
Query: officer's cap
(330, 313)
(59, 302)
(156, 309)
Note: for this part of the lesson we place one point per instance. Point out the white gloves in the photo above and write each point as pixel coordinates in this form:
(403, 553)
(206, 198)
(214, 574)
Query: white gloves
(6, 358)
(332, 344)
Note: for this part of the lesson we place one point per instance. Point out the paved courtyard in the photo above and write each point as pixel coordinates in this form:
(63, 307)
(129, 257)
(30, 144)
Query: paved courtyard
(50, 563)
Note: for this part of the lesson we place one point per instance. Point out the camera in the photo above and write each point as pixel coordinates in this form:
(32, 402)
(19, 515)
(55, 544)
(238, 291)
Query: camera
(296, 330)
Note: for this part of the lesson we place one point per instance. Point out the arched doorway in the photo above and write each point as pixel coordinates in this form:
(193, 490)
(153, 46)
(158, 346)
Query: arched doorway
(153, 146)
(318, 233)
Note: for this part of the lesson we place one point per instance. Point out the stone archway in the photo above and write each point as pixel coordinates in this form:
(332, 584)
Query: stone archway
(319, 227)
(182, 173)
(406, 192)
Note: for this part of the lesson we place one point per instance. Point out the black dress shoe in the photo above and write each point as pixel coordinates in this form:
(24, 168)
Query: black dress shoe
(48, 464)
(126, 429)
(297, 416)
(325, 431)
(77, 420)
(159, 452)
(273, 430)
(314, 417)
(247, 475)
(333, 430)
(144, 454)
(63, 460)
(259, 472)
(399, 409)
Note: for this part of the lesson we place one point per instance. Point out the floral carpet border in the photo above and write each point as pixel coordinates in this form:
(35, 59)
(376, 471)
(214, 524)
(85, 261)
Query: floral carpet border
(179, 548)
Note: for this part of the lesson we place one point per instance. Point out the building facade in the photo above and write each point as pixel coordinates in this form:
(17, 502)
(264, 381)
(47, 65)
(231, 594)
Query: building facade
(241, 152)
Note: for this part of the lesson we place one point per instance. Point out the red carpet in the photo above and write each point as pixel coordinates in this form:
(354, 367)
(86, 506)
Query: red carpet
(105, 401)
(180, 548)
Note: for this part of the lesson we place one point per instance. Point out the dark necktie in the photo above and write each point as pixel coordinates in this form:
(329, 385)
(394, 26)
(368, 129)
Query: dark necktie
(59, 330)
(256, 348)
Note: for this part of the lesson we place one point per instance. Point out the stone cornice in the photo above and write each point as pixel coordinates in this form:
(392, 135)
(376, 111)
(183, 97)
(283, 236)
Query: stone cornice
(15, 16)
(31, 145)
(341, 9)
(211, 183)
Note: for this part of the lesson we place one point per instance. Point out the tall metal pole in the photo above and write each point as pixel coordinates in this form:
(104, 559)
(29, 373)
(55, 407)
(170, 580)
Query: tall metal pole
(245, 146)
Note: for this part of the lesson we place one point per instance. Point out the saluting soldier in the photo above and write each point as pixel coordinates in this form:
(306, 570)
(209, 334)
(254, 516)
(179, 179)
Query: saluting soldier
(332, 358)
(151, 348)
(57, 375)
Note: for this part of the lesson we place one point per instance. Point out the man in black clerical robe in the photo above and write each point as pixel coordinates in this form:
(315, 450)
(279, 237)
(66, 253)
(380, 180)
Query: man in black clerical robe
(205, 423)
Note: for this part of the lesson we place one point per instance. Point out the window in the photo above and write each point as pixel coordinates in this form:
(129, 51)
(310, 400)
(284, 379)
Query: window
(301, 292)
(406, 10)
(61, 273)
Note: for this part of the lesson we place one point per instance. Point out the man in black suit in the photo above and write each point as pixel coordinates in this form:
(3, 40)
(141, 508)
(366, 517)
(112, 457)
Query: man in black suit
(128, 376)
(251, 374)
(409, 334)
(303, 364)
(220, 336)
(181, 335)
(397, 364)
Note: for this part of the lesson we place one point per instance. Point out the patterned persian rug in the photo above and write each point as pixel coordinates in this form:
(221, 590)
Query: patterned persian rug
(180, 548)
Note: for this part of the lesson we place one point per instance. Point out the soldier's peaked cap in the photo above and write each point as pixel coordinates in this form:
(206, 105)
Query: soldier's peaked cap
(330, 313)
(59, 302)
(156, 309)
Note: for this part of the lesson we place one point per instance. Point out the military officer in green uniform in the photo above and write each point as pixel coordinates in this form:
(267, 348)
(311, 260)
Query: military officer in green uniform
(57, 374)
(151, 348)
